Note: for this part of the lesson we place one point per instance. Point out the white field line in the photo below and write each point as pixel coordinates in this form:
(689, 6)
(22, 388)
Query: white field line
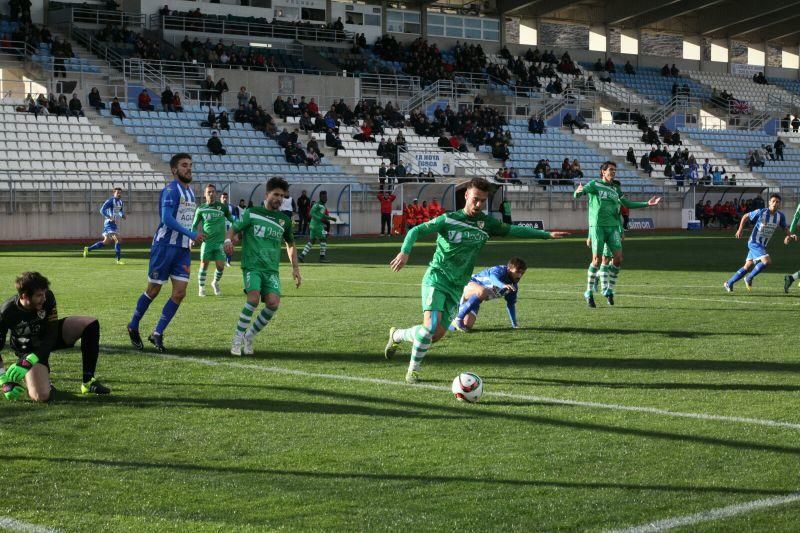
(10, 524)
(508, 395)
(712, 514)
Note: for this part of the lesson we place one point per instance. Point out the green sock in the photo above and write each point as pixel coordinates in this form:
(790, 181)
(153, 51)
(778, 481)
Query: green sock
(613, 274)
(604, 277)
(217, 276)
(244, 318)
(201, 277)
(422, 342)
(261, 321)
(591, 278)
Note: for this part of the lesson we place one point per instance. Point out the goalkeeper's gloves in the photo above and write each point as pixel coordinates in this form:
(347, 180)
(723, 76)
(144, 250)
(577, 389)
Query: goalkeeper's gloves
(17, 371)
(12, 391)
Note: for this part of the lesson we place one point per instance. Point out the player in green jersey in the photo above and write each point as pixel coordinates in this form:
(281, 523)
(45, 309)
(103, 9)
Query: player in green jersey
(460, 238)
(264, 230)
(316, 229)
(604, 226)
(792, 236)
(212, 215)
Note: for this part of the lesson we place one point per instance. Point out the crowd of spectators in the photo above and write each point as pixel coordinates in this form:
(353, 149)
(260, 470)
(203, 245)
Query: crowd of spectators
(790, 122)
(52, 105)
(726, 214)
(734, 105)
(567, 174)
(481, 125)
(765, 153)
(415, 213)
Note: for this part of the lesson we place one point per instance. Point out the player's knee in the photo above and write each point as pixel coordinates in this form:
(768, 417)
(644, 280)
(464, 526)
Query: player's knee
(178, 294)
(92, 329)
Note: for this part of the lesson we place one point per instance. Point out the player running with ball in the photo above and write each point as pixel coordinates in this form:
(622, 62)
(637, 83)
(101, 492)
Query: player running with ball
(460, 237)
(604, 228)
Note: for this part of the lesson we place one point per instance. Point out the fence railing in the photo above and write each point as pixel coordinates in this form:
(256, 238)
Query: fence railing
(80, 15)
(206, 24)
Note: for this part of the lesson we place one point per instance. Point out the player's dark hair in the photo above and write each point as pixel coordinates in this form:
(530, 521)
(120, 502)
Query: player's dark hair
(518, 264)
(30, 282)
(211, 185)
(115, 189)
(608, 164)
(277, 183)
(478, 183)
(775, 195)
(173, 163)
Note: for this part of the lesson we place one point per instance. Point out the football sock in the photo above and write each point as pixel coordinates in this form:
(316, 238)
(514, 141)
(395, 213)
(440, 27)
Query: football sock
(737, 276)
(604, 277)
(228, 258)
(592, 277)
(244, 318)
(96, 246)
(468, 307)
(201, 277)
(169, 310)
(141, 308)
(118, 251)
(796, 276)
(306, 249)
(261, 321)
(613, 274)
(217, 276)
(90, 348)
(422, 341)
(323, 248)
(756, 271)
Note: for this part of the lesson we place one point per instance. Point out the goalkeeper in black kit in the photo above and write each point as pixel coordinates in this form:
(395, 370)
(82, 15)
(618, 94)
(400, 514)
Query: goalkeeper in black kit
(36, 331)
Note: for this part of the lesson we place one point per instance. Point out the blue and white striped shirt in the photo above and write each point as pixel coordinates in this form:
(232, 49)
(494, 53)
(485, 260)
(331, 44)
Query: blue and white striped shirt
(113, 208)
(764, 225)
(179, 202)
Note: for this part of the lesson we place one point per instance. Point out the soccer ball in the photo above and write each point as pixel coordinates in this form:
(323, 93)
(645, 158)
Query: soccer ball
(467, 387)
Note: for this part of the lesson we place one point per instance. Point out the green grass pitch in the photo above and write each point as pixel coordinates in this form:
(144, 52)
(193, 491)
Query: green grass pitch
(317, 432)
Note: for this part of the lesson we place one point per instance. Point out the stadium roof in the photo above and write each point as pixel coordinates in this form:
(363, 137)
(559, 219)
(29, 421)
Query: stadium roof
(747, 20)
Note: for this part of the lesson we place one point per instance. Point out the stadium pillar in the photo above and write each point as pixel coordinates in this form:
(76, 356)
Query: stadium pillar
(328, 12)
(501, 8)
(384, 7)
(423, 21)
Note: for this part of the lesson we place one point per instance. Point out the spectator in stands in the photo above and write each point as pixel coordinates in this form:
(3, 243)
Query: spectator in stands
(207, 90)
(279, 107)
(769, 155)
(211, 119)
(59, 52)
(760, 79)
(630, 157)
(214, 144)
(779, 146)
(332, 140)
(674, 72)
(716, 176)
(391, 173)
(75, 106)
(645, 165)
(313, 158)
(665, 70)
(338, 25)
(313, 108)
(167, 97)
(400, 171)
(62, 108)
(304, 211)
(243, 97)
(382, 175)
(580, 121)
(795, 124)
(629, 68)
(144, 101)
(223, 121)
(177, 105)
(706, 168)
(785, 121)
(609, 66)
(598, 65)
(568, 121)
(755, 159)
(95, 101)
(116, 109)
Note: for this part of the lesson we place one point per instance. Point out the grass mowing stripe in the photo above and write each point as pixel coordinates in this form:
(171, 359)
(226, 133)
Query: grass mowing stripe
(711, 515)
(16, 525)
(509, 395)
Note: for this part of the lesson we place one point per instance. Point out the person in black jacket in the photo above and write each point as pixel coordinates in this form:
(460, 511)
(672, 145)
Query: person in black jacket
(214, 144)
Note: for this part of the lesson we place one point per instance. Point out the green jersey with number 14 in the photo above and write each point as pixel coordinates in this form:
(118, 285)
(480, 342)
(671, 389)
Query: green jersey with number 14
(263, 234)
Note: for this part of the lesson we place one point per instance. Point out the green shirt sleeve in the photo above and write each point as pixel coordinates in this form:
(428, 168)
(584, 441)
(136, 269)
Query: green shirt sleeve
(426, 228)
(527, 233)
(795, 220)
(588, 188)
(632, 205)
(242, 223)
(227, 212)
(197, 219)
(288, 233)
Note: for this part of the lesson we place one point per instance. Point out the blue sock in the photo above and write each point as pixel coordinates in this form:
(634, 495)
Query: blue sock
(141, 308)
(118, 250)
(467, 307)
(169, 310)
(97, 245)
(759, 267)
(736, 277)
(228, 258)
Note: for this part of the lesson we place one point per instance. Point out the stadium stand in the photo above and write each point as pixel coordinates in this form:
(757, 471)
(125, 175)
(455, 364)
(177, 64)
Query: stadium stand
(649, 82)
(761, 97)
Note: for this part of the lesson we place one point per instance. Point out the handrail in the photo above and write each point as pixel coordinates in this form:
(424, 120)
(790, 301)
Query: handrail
(74, 14)
(206, 24)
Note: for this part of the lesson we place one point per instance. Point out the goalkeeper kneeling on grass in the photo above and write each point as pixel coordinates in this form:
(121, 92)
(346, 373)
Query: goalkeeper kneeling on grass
(36, 331)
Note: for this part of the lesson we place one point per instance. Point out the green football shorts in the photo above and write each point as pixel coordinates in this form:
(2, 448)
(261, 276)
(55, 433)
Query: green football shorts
(212, 252)
(606, 240)
(435, 299)
(263, 282)
(317, 233)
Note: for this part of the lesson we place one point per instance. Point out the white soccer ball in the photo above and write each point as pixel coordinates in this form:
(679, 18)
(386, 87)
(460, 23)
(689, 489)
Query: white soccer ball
(467, 387)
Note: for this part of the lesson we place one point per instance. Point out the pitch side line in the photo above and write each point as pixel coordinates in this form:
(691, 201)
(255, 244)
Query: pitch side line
(17, 525)
(711, 515)
(509, 395)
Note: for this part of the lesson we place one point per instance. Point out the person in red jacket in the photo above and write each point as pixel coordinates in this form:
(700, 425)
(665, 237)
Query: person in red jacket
(412, 214)
(144, 101)
(313, 108)
(386, 200)
(435, 209)
(424, 212)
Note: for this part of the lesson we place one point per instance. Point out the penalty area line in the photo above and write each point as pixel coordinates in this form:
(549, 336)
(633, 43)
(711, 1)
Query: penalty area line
(711, 514)
(12, 524)
(508, 395)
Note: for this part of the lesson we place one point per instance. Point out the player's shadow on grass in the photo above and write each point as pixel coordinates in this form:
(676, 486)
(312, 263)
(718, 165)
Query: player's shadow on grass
(388, 406)
(671, 333)
(382, 477)
(756, 387)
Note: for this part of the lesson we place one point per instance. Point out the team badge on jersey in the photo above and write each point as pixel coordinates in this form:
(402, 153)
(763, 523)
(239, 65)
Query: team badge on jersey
(480, 224)
(41, 313)
(281, 222)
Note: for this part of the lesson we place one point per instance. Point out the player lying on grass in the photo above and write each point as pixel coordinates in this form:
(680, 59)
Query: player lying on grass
(36, 331)
(494, 282)
(460, 237)
(264, 230)
(765, 222)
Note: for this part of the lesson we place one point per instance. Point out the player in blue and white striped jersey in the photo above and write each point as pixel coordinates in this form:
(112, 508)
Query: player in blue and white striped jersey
(765, 222)
(170, 256)
(494, 282)
(112, 210)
